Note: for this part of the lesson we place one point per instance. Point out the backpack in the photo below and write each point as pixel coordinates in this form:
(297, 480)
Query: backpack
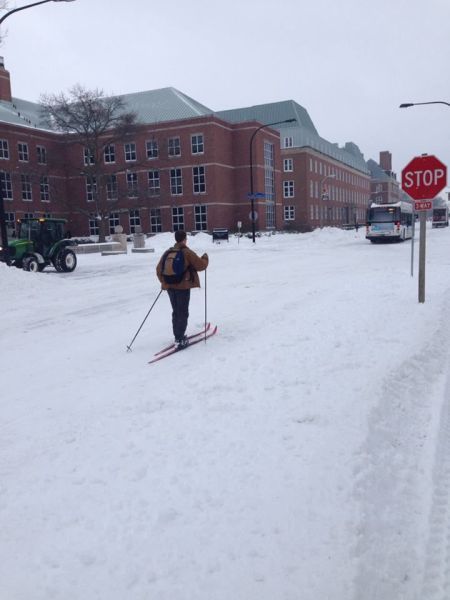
(173, 266)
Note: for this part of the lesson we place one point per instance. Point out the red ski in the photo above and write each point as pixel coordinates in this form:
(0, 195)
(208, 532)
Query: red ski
(199, 337)
(189, 337)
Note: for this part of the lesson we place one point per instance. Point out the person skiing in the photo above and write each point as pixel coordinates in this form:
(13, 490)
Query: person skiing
(177, 270)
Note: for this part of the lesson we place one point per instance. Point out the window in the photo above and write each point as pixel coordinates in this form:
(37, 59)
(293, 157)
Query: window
(289, 213)
(130, 152)
(111, 187)
(91, 188)
(26, 187)
(269, 183)
(5, 182)
(177, 218)
(288, 142)
(109, 154)
(132, 185)
(199, 180)
(28, 215)
(114, 221)
(152, 149)
(23, 152)
(155, 220)
(94, 228)
(176, 182)
(41, 155)
(201, 222)
(197, 145)
(135, 220)
(44, 189)
(89, 157)
(288, 165)
(4, 149)
(288, 189)
(154, 184)
(174, 148)
(10, 220)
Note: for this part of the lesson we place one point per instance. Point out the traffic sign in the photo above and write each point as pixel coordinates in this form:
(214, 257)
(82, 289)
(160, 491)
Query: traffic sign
(422, 205)
(424, 177)
(253, 215)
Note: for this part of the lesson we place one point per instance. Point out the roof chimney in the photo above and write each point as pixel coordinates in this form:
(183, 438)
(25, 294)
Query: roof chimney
(386, 161)
(5, 83)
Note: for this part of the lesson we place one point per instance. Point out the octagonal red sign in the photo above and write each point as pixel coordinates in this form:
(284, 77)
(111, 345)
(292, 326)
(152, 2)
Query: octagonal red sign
(424, 177)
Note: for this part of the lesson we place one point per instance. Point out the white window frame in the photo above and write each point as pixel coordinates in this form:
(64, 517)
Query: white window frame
(288, 188)
(129, 150)
(289, 213)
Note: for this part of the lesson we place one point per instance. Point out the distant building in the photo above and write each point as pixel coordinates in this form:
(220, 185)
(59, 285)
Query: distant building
(189, 167)
(384, 187)
(322, 184)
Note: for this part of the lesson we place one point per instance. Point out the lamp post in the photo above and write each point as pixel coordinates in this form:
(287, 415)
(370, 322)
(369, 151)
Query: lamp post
(408, 104)
(252, 193)
(3, 229)
(322, 181)
(14, 10)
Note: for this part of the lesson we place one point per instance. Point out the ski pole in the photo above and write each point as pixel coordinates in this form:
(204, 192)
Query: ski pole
(206, 304)
(136, 334)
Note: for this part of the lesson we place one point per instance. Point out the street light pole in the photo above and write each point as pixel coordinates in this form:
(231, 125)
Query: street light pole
(408, 104)
(3, 228)
(322, 181)
(252, 193)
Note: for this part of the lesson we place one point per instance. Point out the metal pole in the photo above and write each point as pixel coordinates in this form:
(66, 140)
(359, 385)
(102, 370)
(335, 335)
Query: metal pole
(3, 229)
(252, 194)
(422, 251)
(412, 242)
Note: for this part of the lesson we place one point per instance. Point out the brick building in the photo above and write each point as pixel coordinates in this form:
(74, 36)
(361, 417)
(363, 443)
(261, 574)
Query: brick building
(185, 166)
(384, 187)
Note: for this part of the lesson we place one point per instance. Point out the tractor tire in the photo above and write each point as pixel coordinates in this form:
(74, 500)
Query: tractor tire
(31, 263)
(65, 261)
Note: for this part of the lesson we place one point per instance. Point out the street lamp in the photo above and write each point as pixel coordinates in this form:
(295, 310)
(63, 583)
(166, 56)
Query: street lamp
(3, 230)
(252, 194)
(322, 181)
(14, 10)
(408, 104)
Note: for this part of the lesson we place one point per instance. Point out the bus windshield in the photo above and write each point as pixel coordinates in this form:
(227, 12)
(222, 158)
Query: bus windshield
(383, 214)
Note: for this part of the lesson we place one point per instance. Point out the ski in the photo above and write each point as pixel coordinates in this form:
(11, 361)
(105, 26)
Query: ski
(172, 350)
(189, 337)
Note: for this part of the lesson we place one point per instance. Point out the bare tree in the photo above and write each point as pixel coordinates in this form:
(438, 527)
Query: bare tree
(95, 122)
(3, 7)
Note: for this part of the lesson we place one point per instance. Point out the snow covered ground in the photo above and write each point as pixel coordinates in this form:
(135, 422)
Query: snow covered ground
(301, 454)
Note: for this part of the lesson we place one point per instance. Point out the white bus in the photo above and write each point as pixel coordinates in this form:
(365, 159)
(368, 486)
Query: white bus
(389, 222)
(440, 217)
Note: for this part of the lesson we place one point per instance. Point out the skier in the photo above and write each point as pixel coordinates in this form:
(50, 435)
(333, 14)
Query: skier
(179, 293)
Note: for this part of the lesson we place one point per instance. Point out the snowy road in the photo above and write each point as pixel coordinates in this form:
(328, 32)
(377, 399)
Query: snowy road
(301, 454)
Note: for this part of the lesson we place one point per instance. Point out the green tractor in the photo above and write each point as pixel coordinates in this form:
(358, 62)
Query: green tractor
(42, 242)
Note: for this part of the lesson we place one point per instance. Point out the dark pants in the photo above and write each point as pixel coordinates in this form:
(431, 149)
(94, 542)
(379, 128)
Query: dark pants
(179, 300)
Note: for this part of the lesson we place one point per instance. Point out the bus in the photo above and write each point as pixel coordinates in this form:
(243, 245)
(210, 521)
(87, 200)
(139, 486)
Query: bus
(389, 222)
(440, 217)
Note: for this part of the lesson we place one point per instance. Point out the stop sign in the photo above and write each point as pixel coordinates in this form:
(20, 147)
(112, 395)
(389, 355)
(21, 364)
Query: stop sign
(424, 177)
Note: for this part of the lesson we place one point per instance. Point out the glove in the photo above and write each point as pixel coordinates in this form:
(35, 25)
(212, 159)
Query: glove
(205, 256)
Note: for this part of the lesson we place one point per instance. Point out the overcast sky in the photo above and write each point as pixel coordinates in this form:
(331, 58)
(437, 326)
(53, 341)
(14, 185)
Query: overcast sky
(350, 63)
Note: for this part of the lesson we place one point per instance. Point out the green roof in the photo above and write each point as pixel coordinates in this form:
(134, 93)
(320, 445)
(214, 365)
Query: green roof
(303, 132)
(169, 104)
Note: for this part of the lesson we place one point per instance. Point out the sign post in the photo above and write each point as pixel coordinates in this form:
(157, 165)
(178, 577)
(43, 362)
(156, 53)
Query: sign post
(422, 179)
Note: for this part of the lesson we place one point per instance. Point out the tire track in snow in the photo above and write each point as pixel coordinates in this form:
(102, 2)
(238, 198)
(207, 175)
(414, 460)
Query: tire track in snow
(393, 482)
(436, 585)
